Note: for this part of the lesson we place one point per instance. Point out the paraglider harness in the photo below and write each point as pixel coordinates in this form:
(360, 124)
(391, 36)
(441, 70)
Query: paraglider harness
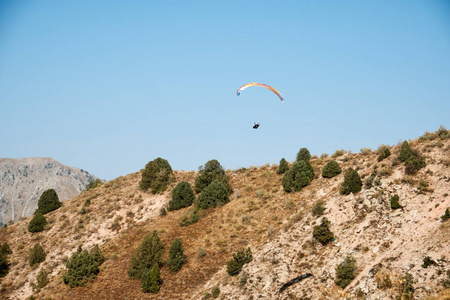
(256, 126)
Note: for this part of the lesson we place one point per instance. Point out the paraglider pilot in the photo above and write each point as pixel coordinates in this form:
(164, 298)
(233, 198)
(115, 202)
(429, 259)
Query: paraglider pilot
(256, 126)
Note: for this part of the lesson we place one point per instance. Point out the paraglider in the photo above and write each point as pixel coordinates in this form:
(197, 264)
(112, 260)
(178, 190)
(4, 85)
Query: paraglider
(261, 85)
(256, 126)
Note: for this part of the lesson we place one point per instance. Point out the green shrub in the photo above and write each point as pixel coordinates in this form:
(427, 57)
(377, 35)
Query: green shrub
(48, 202)
(443, 133)
(283, 167)
(345, 272)
(93, 184)
(414, 163)
(323, 233)
(446, 215)
(241, 257)
(42, 279)
(5, 249)
(194, 217)
(405, 152)
(297, 177)
(176, 256)
(331, 169)
(182, 196)
(210, 172)
(352, 182)
(319, 208)
(427, 261)
(156, 176)
(395, 202)
(82, 267)
(406, 287)
(150, 252)
(37, 223)
(151, 280)
(303, 154)
(215, 292)
(37, 255)
(383, 152)
(215, 194)
(4, 264)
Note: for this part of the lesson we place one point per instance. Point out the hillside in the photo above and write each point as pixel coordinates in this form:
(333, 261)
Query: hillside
(23, 180)
(277, 226)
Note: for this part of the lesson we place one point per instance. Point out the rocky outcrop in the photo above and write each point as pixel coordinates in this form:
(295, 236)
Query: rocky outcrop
(23, 180)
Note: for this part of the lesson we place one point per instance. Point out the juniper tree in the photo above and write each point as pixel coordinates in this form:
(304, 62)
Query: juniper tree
(331, 169)
(156, 176)
(37, 223)
(150, 252)
(352, 182)
(210, 172)
(48, 202)
(215, 194)
(37, 255)
(176, 256)
(283, 167)
(297, 177)
(182, 196)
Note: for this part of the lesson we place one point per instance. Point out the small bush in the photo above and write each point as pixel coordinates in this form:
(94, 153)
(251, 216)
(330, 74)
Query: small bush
(42, 279)
(283, 167)
(176, 256)
(323, 233)
(395, 203)
(156, 176)
(234, 266)
(318, 208)
(215, 194)
(93, 184)
(182, 196)
(427, 261)
(352, 182)
(331, 169)
(151, 280)
(383, 152)
(406, 287)
(215, 292)
(405, 152)
(414, 163)
(48, 202)
(194, 217)
(4, 264)
(38, 223)
(37, 255)
(5, 249)
(345, 272)
(298, 176)
(366, 151)
(446, 215)
(338, 153)
(150, 252)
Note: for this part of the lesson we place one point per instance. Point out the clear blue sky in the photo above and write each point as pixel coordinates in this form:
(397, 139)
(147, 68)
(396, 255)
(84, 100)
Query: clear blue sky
(108, 86)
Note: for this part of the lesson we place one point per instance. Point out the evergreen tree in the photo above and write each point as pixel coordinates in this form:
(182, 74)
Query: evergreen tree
(210, 172)
(240, 258)
(446, 215)
(405, 152)
(37, 223)
(37, 254)
(352, 182)
(213, 195)
(182, 196)
(283, 167)
(331, 169)
(150, 252)
(48, 202)
(414, 163)
(176, 255)
(156, 176)
(151, 280)
(5, 249)
(297, 177)
(82, 267)
(303, 154)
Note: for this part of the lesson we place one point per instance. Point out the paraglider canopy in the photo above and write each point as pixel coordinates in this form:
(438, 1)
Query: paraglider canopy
(261, 85)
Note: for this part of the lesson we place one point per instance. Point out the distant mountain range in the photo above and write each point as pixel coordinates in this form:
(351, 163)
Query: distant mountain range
(23, 180)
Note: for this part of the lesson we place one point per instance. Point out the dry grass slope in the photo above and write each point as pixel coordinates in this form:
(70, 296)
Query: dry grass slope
(276, 226)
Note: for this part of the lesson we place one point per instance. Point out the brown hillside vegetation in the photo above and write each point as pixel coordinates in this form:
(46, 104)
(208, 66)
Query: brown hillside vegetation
(277, 226)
